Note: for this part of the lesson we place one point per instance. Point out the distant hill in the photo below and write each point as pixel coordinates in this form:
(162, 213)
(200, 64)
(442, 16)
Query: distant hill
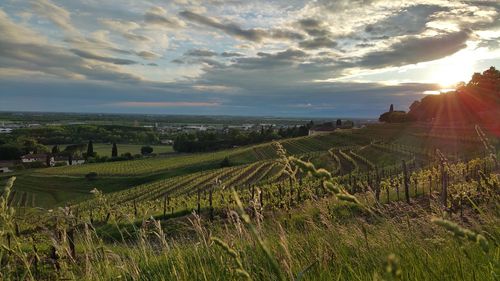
(475, 102)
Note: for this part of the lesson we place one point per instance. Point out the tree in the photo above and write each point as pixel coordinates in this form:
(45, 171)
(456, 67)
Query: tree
(225, 162)
(391, 108)
(393, 117)
(145, 150)
(90, 149)
(114, 150)
(55, 149)
(48, 159)
(339, 122)
(91, 176)
(10, 152)
(310, 125)
(475, 102)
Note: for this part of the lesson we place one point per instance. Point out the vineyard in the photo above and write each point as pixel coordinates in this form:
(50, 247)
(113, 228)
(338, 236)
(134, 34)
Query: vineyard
(268, 215)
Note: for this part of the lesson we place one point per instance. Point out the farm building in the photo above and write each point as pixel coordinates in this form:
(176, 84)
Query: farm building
(32, 157)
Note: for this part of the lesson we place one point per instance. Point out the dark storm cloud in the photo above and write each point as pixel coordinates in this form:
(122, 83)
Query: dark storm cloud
(233, 29)
(413, 49)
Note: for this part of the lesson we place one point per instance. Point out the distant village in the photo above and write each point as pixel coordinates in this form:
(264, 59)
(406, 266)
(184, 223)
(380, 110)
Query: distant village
(51, 160)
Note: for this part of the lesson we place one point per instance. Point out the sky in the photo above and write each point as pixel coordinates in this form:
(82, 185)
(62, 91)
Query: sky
(214, 57)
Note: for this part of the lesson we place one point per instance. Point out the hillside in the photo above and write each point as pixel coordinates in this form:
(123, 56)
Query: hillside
(478, 101)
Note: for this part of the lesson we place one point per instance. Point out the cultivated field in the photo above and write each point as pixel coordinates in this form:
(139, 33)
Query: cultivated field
(365, 204)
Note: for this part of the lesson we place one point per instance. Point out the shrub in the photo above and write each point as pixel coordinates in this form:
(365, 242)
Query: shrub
(91, 176)
(145, 150)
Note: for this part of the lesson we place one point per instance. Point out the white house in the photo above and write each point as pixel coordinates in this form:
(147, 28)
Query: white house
(41, 157)
(5, 130)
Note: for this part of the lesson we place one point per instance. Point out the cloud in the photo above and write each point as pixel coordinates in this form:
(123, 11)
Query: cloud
(319, 42)
(410, 20)
(24, 50)
(148, 55)
(231, 54)
(92, 56)
(166, 104)
(200, 53)
(157, 16)
(56, 14)
(313, 27)
(415, 49)
(126, 28)
(230, 28)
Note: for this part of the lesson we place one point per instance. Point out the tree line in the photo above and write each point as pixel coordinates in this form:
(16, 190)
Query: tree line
(211, 141)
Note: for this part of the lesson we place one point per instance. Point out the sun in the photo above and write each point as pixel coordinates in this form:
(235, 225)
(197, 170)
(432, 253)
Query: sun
(454, 69)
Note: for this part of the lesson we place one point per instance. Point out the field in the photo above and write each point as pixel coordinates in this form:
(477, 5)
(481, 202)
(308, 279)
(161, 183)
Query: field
(365, 204)
(104, 149)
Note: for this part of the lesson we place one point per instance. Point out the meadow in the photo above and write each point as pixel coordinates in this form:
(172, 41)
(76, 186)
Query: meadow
(386, 202)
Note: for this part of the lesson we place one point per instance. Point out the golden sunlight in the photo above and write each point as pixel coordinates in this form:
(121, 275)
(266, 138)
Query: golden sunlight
(454, 69)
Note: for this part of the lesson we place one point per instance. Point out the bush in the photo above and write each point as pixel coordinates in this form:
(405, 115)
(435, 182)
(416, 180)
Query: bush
(225, 162)
(146, 150)
(91, 176)
(34, 165)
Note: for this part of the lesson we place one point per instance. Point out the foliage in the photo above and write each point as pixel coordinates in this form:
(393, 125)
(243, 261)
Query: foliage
(394, 117)
(146, 150)
(82, 133)
(476, 102)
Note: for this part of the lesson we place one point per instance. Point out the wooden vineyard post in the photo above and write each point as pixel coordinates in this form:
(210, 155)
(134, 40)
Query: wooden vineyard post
(198, 203)
(171, 207)
(444, 185)
(35, 262)
(377, 185)
(261, 198)
(210, 203)
(415, 181)
(396, 184)
(135, 209)
(165, 206)
(387, 192)
(71, 242)
(280, 190)
(299, 189)
(405, 182)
